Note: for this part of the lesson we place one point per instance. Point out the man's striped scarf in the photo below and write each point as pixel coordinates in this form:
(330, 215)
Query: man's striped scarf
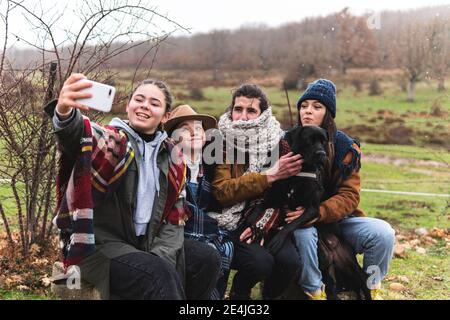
(84, 182)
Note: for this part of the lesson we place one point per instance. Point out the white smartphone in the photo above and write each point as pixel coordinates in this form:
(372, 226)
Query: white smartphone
(102, 96)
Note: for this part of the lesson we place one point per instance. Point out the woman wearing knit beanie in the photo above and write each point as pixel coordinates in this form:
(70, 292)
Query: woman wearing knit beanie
(374, 238)
(239, 187)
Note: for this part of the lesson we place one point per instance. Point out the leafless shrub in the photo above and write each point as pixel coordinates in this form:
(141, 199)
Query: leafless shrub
(28, 157)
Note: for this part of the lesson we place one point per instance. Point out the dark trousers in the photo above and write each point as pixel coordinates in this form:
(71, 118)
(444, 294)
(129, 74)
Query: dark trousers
(144, 276)
(254, 263)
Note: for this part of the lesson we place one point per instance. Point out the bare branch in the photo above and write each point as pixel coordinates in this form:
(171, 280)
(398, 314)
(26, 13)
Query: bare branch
(48, 29)
(5, 44)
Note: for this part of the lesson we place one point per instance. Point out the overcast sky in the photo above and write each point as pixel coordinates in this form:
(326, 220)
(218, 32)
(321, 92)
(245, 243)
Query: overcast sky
(205, 15)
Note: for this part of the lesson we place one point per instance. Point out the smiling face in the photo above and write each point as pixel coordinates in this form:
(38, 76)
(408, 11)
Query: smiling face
(192, 136)
(312, 113)
(147, 109)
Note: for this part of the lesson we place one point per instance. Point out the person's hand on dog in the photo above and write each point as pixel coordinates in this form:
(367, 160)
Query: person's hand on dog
(247, 236)
(287, 166)
(292, 215)
(70, 94)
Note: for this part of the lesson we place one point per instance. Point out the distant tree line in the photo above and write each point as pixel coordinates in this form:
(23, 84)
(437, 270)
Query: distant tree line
(415, 41)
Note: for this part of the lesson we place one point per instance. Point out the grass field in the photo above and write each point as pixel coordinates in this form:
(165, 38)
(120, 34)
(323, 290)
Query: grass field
(419, 167)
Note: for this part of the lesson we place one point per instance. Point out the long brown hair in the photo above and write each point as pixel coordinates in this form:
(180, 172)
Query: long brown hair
(330, 126)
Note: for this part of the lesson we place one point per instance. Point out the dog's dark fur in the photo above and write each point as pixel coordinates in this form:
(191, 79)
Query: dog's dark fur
(337, 260)
(310, 142)
(338, 265)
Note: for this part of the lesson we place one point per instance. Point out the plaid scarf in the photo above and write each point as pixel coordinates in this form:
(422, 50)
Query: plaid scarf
(200, 225)
(174, 212)
(84, 182)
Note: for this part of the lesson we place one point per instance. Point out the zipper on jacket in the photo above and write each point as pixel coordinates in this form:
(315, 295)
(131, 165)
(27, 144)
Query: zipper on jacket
(143, 145)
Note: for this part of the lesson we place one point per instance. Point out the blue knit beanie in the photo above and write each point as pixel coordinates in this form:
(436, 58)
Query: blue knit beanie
(322, 90)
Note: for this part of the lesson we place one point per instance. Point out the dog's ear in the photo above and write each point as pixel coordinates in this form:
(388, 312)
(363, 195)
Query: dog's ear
(295, 134)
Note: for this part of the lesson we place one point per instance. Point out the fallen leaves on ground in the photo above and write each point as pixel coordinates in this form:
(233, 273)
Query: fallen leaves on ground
(30, 273)
(419, 240)
(396, 286)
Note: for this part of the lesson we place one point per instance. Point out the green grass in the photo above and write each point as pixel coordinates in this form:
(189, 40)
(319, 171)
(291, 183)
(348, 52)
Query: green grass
(410, 152)
(405, 178)
(392, 99)
(407, 212)
(23, 295)
(9, 205)
(428, 275)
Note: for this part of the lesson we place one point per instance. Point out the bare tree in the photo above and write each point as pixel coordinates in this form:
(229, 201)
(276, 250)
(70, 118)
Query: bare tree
(327, 43)
(104, 32)
(439, 46)
(355, 43)
(413, 55)
(217, 51)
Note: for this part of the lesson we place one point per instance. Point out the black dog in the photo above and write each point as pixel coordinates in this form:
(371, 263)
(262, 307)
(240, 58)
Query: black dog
(306, 188)
(338, 264)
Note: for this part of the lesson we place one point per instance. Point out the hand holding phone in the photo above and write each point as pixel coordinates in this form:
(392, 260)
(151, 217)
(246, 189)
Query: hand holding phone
(102, 96)
(80, 93)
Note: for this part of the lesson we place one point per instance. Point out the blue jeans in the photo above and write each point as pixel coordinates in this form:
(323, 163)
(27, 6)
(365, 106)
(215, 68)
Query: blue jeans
(372, 237)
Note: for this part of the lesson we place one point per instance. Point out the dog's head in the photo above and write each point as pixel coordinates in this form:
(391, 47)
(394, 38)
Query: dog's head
(310, 142)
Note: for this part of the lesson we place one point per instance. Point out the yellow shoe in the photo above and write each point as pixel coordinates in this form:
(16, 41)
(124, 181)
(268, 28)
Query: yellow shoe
(319, 294)
(376, 294)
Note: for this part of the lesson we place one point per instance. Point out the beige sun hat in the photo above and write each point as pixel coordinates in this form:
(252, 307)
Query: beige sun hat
(185, 112)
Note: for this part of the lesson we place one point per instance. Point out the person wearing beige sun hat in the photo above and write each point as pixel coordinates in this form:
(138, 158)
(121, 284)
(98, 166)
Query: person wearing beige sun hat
(184, 113)
(187, 128)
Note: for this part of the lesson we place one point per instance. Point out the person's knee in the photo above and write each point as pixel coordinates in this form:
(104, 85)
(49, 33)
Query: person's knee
(305, 238)
(289, 264)
(212, 259)
(262, 265)
(144, 276)
(209, 256)
(288, 260)
(165, 272)
(382, 233)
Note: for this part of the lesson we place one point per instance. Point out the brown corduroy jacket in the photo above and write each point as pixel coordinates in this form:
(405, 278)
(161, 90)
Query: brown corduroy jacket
(230, 186)
(346, 200)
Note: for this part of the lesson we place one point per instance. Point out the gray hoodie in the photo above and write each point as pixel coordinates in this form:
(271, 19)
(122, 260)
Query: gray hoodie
(148, 184)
